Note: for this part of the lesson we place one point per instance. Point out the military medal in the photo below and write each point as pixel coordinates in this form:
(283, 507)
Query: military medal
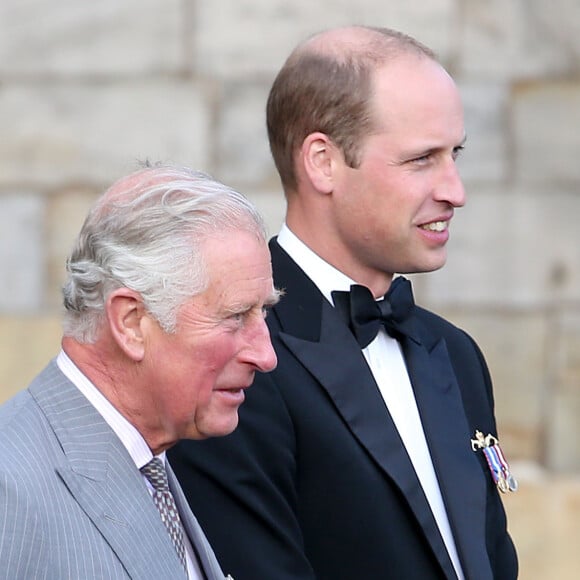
(496, 461)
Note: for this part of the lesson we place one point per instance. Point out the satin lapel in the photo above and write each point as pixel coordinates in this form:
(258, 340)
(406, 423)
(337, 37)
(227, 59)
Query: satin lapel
(447, 432)
(353, 390)
(101, 477)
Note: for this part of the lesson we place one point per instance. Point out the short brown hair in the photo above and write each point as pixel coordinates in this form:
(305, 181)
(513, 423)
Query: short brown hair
(326, 85)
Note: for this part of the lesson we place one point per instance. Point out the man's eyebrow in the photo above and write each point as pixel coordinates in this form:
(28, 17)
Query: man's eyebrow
(274, 297)
(241, 307)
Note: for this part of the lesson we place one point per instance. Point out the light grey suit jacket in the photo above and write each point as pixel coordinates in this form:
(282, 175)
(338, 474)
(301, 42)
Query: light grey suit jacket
(72, 503)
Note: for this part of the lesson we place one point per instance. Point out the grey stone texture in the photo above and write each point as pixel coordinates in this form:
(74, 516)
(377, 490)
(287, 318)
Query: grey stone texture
(240, 38)
(88, 89)
(544, 521)
(546, 117)
(90, 39)
(22, 264)
(519, 39)
(512, 247)
(73, 131)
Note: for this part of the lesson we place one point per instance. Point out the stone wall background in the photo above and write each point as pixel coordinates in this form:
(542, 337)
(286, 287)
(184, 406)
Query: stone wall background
(86, 89)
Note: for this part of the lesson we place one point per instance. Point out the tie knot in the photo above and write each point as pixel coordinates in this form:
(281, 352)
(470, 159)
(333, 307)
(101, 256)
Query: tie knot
(364, 315)
(155, 472)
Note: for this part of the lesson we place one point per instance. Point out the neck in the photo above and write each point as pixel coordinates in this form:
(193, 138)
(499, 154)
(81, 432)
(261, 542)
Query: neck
(329, 249)
(117, 379)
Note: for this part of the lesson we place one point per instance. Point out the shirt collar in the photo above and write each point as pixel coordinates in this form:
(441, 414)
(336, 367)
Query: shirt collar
(326, 277)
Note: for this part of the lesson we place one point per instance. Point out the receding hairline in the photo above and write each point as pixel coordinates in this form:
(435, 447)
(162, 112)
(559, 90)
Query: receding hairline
(134, 184)
(348, 42)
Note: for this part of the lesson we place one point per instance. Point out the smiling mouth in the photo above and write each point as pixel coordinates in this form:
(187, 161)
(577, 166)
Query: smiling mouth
(435, 226)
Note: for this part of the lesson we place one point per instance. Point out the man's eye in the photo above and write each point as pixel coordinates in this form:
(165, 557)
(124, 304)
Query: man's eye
(422, 159)
(457, 151)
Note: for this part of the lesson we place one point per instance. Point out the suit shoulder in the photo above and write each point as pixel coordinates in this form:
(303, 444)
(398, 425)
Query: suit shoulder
(443, 327)
(465, 354)
(15, 413)
(23, 434)
(432, 318)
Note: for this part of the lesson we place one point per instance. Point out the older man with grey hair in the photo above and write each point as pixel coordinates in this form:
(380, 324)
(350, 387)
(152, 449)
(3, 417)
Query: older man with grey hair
(164, 329)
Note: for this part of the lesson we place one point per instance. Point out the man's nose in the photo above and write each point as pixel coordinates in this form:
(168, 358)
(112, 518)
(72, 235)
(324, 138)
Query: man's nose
(451, 188)
(263, 357)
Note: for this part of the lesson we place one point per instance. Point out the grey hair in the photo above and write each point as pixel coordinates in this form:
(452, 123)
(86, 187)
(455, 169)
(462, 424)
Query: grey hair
(145, 233)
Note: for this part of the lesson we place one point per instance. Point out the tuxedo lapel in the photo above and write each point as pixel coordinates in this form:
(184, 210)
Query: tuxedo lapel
(101, 477)
(356, 396)
(447, 432)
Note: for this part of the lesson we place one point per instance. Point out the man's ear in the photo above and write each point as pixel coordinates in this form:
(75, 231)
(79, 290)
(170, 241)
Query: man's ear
(319, 158)
(127, 315)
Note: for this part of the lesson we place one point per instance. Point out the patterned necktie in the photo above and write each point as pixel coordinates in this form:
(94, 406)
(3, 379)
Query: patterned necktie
(155, 472)
(364, 315)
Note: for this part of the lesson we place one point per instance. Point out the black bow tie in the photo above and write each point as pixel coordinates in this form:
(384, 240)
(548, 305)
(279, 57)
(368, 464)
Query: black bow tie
(364, 315)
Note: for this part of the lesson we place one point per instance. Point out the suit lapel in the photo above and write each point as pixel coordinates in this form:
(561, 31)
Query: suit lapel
(205, 554)
(102, 478)
(447, 432)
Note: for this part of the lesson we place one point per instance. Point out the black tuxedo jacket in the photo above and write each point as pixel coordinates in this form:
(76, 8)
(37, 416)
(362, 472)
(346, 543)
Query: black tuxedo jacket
(315, 481)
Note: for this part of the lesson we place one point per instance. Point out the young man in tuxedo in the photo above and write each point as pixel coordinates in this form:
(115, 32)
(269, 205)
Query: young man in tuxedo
(357, 457)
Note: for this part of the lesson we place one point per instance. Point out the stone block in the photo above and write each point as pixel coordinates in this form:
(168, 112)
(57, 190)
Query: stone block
(27, 344)
(78, 133)
(21, 251)
(504, 39)
(242, 152)
(485, 159)
(544, 521)
(517, 248)
(65, 213)
(68, 38)
(563, 432)
(546, 140)
(241, 38)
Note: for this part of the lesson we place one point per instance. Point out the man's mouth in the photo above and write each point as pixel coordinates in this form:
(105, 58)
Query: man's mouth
(435, 226)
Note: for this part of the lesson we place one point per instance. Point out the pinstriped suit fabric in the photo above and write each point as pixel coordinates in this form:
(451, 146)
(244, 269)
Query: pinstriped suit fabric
(72, 503)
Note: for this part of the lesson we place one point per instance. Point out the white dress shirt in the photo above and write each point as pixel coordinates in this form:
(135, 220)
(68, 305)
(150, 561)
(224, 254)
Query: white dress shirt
(385, 359)
(129, 436)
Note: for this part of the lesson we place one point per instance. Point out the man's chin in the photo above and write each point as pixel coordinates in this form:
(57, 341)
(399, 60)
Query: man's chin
(217, 429)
